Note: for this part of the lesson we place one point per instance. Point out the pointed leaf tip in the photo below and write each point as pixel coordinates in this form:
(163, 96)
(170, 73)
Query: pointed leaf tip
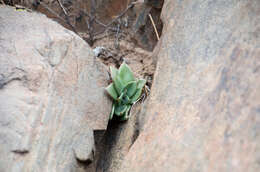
(125, 73)
(141, 83)
(113, 72)
(136, 96)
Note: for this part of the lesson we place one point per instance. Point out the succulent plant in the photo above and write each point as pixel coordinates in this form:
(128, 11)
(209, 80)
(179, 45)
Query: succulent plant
(125, 90)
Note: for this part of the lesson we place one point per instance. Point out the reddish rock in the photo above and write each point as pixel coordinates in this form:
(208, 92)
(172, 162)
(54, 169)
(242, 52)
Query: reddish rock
(204, 111)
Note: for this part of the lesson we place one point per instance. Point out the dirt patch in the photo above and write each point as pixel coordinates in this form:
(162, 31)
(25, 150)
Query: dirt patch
(113, 50)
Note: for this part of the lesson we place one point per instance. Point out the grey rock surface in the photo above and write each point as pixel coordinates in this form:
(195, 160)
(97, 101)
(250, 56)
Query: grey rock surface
(51, 95)
(204, 109)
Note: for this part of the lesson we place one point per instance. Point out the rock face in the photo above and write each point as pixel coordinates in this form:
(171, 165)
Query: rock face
(51, 95)
(204, 108)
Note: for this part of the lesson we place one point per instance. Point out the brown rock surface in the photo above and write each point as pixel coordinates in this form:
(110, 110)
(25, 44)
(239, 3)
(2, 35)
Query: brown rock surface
(51, 95)
(204, 111)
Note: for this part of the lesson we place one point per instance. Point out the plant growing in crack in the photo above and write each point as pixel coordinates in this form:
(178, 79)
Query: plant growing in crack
(125, 91)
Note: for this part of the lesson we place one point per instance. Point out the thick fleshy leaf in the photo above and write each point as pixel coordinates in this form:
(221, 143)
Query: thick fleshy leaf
(125, 73)
(126, 114)
(120, 97)
(126, 100)
(141, 83)
(131, 88)
(136, 96)
(113, 72)
(119, 85)
(112, 111)
(120, 109)
(111, 91)
(128, 110)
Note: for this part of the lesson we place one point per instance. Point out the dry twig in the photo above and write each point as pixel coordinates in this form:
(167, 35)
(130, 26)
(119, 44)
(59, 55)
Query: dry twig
(61, 5)
(117, 36)
(59, 17)
(120, 15)
(91, 17)
(114, 20)
(66, 17)
(154, 27)
(51, 11)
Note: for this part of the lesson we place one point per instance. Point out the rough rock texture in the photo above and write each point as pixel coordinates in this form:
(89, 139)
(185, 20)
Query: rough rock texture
(51, 95)
(117, 140)
(204, 109)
